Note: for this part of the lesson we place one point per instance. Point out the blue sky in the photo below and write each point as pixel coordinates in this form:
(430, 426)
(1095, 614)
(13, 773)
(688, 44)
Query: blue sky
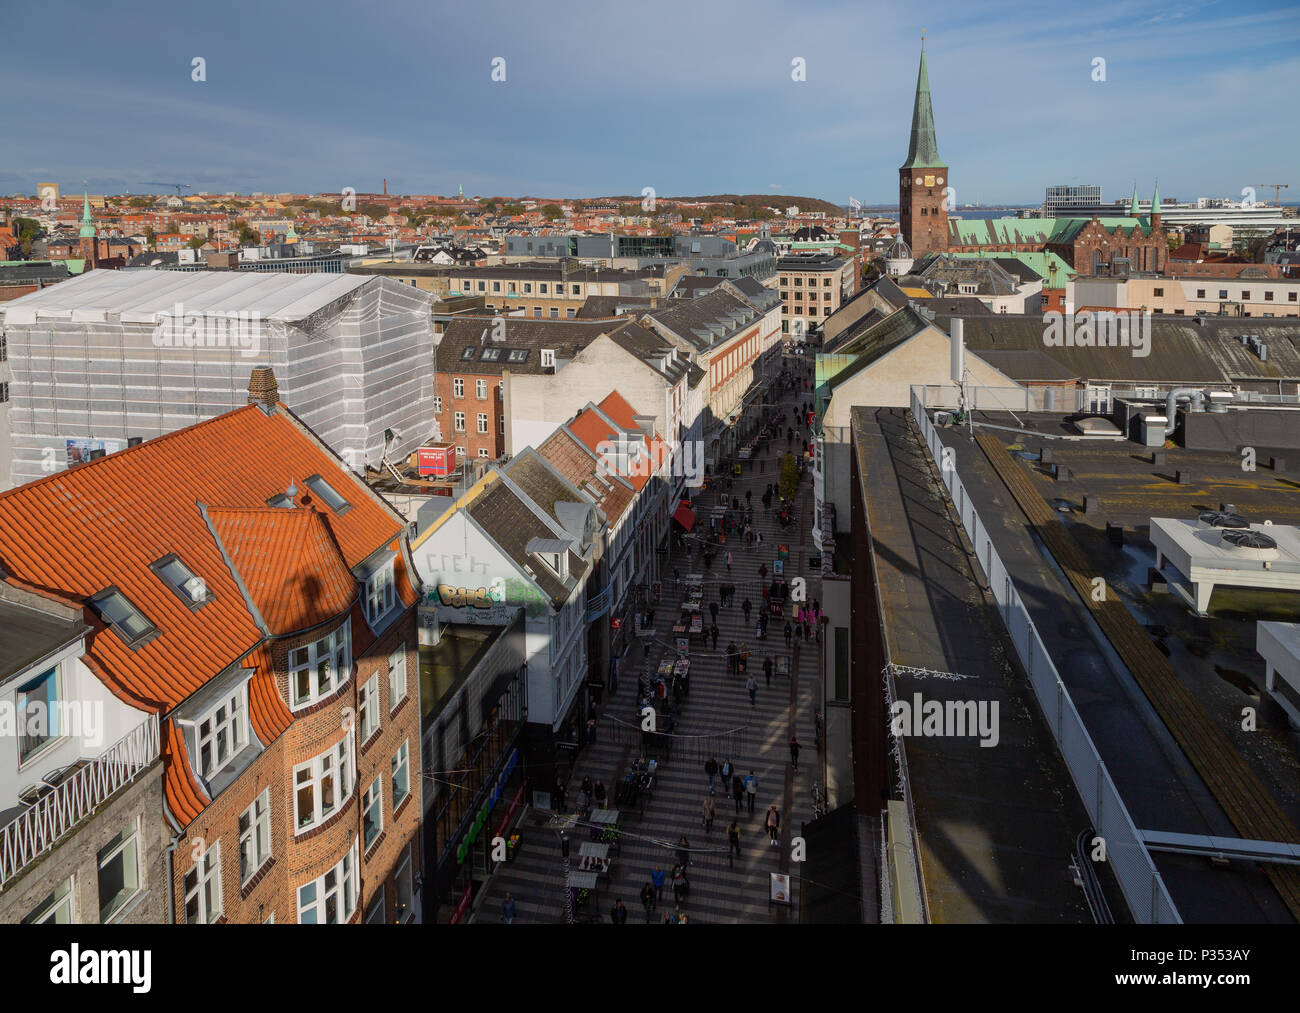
(690, 98)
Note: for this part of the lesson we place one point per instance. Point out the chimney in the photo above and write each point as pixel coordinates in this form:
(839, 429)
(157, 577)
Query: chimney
(262, 388)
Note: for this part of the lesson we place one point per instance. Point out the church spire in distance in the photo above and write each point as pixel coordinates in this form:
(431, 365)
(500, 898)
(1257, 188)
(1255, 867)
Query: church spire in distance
(923, 151)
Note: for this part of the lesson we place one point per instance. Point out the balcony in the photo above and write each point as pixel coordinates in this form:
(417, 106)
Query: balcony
(43, 825)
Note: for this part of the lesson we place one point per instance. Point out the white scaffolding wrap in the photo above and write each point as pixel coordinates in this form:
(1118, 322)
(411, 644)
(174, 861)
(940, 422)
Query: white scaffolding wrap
(97, 358)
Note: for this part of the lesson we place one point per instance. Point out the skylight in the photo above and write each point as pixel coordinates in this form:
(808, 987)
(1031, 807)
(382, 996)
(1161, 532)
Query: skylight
(181, 579)
(518, 355)
(127, 621)
(468, 352)
(327, 493)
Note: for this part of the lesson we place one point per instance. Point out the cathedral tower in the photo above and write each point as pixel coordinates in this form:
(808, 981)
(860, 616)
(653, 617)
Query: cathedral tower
(922, 205)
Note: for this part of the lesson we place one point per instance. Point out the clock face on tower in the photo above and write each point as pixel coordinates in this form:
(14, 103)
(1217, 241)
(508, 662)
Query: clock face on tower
(919, 181)
(939, 181)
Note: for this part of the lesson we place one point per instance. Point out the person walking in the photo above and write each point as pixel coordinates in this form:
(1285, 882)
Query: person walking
(600, 794)
(657, 878)
(619, 913)
(758, 629)
(711, 768)
(737, 791)
(728, 560)
(713, 610)
(509, 909)
(733, 844)
(789, 633)
(767, 669)
(714, 631)
(708, 813)
(749, 494)
(794, 752)
(647, 900)
(746, 606)
(586, 784)
(758, 538)
(678, 879)
(683, 852)
(752, 686)
(726, 771)
(773, 824)
(751, 789)
(559, 795)
(762, 571)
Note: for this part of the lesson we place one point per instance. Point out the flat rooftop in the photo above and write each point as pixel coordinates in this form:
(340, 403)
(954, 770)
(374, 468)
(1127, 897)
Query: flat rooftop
(27, 636)
(446, 667)
(996, 826)
(1214, 656)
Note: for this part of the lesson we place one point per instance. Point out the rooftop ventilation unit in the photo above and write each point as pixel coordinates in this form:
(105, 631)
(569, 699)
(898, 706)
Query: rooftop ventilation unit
(1222, 519)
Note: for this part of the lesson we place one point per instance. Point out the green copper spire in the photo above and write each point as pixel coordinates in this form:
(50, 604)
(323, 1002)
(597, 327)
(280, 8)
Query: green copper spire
(1155, 201)
(87, 226)
(1133, 207)
(923, 152)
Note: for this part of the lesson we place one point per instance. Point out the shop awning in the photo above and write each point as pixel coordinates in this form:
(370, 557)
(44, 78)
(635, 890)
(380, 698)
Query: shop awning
(683, 515)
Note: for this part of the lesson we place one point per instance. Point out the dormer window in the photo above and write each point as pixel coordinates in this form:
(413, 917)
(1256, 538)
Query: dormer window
(548, 357)
(559, 562)
(381, 594)
(127, 621)
(222, 733)
(326, 492)
(192, 590)
(317, 669)
(518, 355)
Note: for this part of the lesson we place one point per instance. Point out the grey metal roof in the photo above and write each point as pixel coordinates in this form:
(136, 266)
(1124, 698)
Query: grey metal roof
(28, 635)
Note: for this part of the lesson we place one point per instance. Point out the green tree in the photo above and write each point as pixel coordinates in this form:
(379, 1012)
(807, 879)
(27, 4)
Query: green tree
(789, 477)
(551, 212)
(247, 235)
(28, 228)
(513, 209)
(196, 242)
(140, 202)
(150, 237)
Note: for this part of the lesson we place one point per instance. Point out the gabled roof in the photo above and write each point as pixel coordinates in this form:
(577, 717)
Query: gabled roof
(76, 533)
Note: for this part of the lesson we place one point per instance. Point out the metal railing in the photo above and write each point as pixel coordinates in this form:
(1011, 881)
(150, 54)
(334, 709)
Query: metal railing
(1140, 881)
(42, 826)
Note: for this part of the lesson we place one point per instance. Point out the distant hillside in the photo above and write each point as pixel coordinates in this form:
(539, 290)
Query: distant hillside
(749, 205)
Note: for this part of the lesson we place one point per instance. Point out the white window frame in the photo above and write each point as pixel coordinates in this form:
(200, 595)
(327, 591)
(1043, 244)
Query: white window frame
(437, 405)
(61, 898)
(396, 675)
(236, 724)
(457, 387)
(404, 872)
(346, 889)
(206, 871)
(373, 796)
(482, 421)
(131, 840)
(480, 389)
(259, 827)
(401, 762)
(335, 766)
(335, 649)
(458, 422)
(369, 716)
(381, 592)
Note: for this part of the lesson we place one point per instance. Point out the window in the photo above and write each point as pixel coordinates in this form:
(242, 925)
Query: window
(375, 912)
(1200, 293)
(537, 312)
(203, 888)
(119, 871)
(401, 775)
(223, 732)
(124, 618)
(518, 355)
(482, 286)
(501, 423)
(405, 889)
(482, 452)
(490, 355)
(180, 578)
(482, 422)
(827, 282)
(570, 313)
(480, 387)
(396, 678)
(555, 313)
(372, 812)
(467, 353)
(38, 710)
(368, 709)
(541, 288)
(576, 289)
(4, 392)
(458, 421)
(460, 453)
(322, 785)
(381, 594)
(1223, 293)
(56, 909)
(528, 285)
(332, 899)
(437, 406)
(1245, 295)
(1268, 296)
(1290, 297)
(318, 669)
(496, 286)
(328, 494)
(457, 387)
(254, 836)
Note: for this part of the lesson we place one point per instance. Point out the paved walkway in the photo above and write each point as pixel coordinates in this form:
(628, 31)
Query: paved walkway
(720, 892)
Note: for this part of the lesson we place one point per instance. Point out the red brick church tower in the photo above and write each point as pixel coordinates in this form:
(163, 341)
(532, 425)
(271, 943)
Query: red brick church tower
(922, 206)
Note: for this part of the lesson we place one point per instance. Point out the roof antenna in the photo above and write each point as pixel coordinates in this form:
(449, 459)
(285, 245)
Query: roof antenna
(292, 493)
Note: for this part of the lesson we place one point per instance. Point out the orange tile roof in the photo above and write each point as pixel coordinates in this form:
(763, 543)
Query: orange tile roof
(288, 563)
(101, 524)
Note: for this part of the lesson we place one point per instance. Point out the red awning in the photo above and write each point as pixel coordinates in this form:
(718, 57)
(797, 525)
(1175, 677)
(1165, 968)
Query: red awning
(683, 516)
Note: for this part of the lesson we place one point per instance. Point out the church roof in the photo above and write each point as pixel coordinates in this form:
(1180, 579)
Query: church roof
(923, 151)
(1008, 231)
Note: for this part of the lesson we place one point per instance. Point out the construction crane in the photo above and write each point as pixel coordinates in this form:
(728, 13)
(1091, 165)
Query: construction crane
(178, 186)
(1277, 189)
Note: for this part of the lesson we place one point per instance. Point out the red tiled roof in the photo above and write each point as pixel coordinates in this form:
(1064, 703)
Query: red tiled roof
(77, 532)
(183, 796)
(288, 563)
